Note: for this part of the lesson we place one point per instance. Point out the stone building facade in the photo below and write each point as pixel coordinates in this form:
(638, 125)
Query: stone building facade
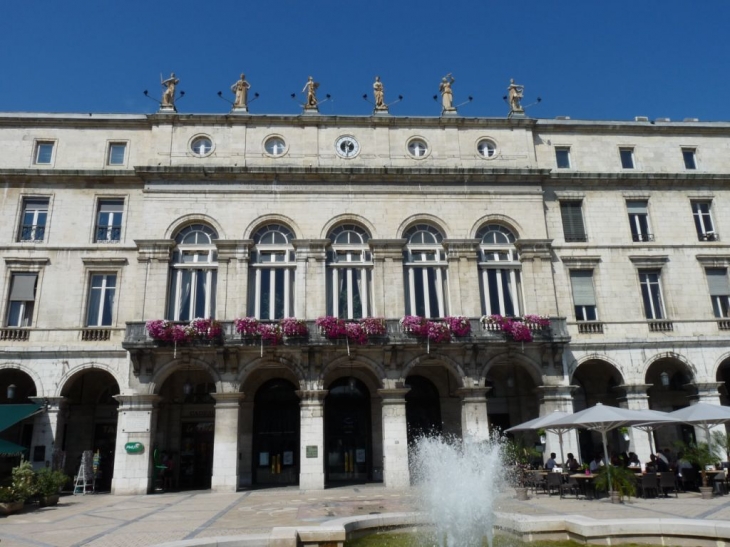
(615, 231)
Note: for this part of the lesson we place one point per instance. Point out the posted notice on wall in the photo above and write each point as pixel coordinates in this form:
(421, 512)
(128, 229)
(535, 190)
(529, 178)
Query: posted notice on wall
(136, 422)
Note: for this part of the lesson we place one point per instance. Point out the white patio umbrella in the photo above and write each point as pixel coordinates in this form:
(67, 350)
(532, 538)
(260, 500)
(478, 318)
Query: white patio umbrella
(704, 416)
(650, 427)
(546, 423)
(603, 419)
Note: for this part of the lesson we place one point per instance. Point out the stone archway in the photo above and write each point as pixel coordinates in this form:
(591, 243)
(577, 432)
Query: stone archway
(90, 422)
(513, 397)
(671, 388)
(723, 377)
(16, 388)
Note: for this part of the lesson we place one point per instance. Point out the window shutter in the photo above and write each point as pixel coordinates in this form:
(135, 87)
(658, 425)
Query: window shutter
(111, 206)
(582, 283)
(572, 221)
(23, 289)
(718, 282)
(636, 207)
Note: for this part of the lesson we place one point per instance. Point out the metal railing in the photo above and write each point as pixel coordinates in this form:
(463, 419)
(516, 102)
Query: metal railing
(32, 232)
(108, 234)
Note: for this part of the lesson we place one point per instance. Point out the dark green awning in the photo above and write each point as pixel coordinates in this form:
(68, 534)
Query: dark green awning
(12, 414)
(10, 449)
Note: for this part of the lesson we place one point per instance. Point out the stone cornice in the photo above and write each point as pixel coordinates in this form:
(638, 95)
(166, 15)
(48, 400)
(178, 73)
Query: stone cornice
(530, 249)
(649, 261)
(387, 248)
(104, 261)
(154, 249)
(233, 249)
(716, 261)
(580, 262)
(31, 262)
(622, 177)
(311, 248)
(461, 248)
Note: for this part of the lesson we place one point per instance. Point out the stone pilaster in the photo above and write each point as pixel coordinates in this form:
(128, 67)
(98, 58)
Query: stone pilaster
(395, 438)
(559, 398)
(151, 288)
(310, 298)
(640, 441)
(474, 421)
(245, 444)
(136, 422)
(463, 276)
(538, 285)
(311, 439)
(388, 292)
(232, 287)
(46, 427)
(225, 442)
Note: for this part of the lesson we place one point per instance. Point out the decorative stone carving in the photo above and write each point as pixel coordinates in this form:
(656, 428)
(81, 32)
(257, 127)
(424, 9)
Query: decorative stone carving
(168, 95)
(311, 90)
(379, 94)
(515, 93)
(240, 90)
(447, 95)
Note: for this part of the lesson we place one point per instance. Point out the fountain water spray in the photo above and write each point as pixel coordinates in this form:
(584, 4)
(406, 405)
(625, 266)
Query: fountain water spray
(459, 482)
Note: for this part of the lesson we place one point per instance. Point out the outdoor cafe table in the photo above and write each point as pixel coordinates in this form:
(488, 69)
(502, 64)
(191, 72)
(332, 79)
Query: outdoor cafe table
(585, 481)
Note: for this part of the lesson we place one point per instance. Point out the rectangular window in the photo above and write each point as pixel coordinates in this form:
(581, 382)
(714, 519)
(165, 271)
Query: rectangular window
(33, 221)
(348, 291)
(101, 300)
(43, 153)
(717, 281)
(639, 220)
(562, 157)
(651, 294)
(109, 220)
(690, 161)
(425, 290)
(117, 151)
(22, 299)
(584, 298)
(572, 220)
(702, 212)
(627, 158)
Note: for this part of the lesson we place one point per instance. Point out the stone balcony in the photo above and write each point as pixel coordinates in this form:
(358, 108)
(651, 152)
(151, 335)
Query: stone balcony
(141, 346)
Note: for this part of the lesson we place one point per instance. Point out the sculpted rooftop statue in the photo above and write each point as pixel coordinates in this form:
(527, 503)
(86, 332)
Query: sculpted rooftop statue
(168, 96)
(311, 89)
(447, 96)
(379, 93)
(240, 89)
(515, 96)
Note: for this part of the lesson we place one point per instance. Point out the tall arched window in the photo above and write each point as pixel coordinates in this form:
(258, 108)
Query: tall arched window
(272, 265)
(499, 267)
(349, 278)
(425, 272)
(193, 274)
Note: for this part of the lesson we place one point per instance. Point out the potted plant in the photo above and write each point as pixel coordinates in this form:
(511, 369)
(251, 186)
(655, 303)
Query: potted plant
(542, 435)
(22, 487)
(700, 455)
(623, 482)
(519, 456)
(10, 501)
(48, 483)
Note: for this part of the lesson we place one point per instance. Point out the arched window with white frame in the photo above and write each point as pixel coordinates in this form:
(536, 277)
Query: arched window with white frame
(272, 273)
(425, 266)
(349, 273)
(193, 274)
(499, 269)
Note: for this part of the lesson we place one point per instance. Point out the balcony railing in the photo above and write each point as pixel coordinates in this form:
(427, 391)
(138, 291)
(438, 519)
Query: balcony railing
(638, 238)
(92, 334)
(136, 335)
(32, 232)
(14, 335)
(590, 327)
(108, 234)
(661, 326)
(723, 324)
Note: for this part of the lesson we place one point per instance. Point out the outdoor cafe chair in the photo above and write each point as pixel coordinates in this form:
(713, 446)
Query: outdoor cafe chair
(668, 482)
(719, 482)
(554, 482)
(535, 481)
(649, 484)
(571, 486)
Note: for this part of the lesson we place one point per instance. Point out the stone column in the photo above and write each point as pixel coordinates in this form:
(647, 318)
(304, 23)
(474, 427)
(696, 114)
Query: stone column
(231, 299)
(311, 439)
(395, 438)
(463, 277)
(151, 289)
(640, 442)
(388, 292)
(474, 421)
(707, 392)
(225, 442)
(310, 299)
(136, 422)
(47, 427)
(538, 285)
(245, 444)
(559, 398)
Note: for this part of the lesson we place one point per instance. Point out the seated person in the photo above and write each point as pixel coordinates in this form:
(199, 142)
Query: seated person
(572, 463)
(661, 465)
(551, 463)
(595, 464)
(634, 460)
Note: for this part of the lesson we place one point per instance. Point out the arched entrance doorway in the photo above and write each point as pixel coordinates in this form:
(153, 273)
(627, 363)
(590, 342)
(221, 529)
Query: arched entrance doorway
(671, 388)
(347, 432)
(598, 382)
(513, 398)
(276, 434)
(91, 423)
(423, 408)
(16, 388)
(723, 376)
(186, 428)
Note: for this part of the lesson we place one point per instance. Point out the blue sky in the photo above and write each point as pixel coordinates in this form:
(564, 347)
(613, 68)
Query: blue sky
(586, 59)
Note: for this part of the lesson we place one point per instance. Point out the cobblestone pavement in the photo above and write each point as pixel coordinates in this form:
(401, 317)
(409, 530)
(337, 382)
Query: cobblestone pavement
(108, 521)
